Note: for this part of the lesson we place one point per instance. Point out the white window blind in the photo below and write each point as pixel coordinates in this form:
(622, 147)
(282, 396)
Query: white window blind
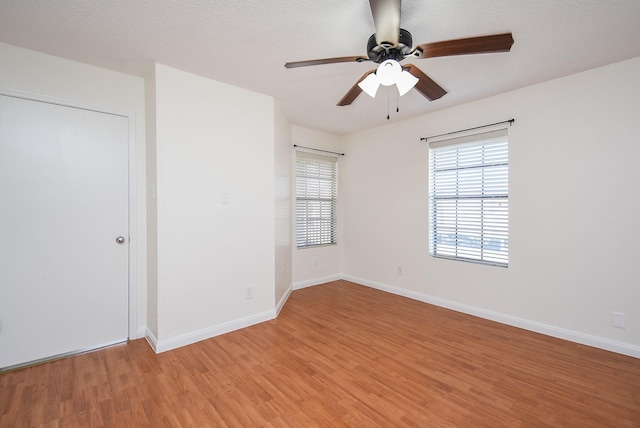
(469, 198)
(316, 199)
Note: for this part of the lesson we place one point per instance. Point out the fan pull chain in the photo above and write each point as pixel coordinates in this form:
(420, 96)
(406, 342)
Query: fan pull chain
(388, 102)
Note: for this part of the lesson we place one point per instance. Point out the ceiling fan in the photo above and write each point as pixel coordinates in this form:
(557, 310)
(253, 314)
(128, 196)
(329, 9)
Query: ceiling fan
(391, 44)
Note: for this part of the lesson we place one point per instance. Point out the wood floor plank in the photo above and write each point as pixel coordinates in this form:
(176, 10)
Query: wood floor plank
(338, 355)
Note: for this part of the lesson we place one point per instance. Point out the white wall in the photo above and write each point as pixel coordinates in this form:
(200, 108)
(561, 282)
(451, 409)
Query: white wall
(283, 188)
(313, 266)
(49, 76)
(574, 209)
(212, 138)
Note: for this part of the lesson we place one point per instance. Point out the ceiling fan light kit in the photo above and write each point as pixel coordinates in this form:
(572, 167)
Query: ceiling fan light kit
(390, 45)
(389, 73)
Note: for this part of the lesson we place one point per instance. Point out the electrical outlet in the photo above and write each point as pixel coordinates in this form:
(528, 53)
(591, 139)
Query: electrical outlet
(314, 261)
(248, 292)
(617, 319)
(399, 270)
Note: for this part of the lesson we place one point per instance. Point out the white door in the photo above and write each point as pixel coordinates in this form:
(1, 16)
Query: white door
(63, 203)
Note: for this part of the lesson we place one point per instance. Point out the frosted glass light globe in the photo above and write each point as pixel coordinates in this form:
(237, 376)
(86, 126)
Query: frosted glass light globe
(388, 72)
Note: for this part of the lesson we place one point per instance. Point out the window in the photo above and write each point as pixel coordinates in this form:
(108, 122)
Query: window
(469, 198)
(316, 197)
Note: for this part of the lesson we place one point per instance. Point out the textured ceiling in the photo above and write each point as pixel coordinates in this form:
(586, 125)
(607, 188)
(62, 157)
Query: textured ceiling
(246, 43)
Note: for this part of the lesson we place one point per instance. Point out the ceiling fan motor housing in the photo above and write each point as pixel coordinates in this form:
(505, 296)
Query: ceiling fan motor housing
(384, 51)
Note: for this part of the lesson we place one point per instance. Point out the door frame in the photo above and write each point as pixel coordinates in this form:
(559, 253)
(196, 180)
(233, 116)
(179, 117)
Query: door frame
(132, 187)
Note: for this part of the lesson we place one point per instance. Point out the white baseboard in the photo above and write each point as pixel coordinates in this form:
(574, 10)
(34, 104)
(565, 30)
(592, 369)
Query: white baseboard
(549, 330)
(283, 300)
(209, 332)
(316, 281)
(151, 339)
(546, 329)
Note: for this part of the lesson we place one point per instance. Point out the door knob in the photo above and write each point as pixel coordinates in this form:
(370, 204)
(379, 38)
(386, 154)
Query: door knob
(120, 239)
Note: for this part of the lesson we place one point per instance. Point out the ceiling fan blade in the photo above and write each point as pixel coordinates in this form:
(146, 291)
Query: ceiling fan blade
(325, 61)
(386, 18)
(471, 45)
(355, 90)
(426, 86)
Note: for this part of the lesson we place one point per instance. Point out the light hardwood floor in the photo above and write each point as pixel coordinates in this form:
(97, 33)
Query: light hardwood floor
(339, 354)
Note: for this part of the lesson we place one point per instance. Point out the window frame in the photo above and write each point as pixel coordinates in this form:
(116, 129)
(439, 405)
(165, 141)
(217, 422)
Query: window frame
(316, 195)
(469, 198)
